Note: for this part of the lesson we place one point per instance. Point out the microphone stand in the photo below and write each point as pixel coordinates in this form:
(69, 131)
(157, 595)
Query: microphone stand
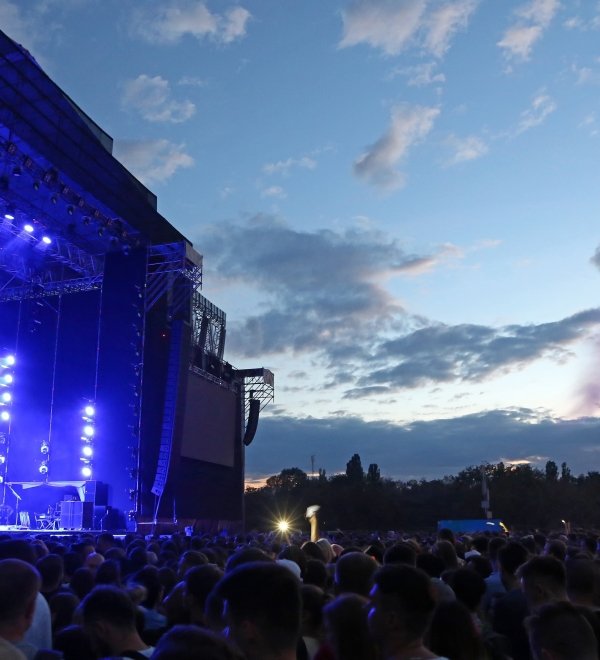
(18, 498)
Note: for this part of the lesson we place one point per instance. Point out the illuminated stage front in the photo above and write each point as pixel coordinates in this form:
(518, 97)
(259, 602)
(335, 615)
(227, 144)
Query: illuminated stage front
(112, 369)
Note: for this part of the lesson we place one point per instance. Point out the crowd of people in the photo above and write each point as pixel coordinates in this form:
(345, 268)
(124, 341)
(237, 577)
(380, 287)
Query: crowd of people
(267, 597)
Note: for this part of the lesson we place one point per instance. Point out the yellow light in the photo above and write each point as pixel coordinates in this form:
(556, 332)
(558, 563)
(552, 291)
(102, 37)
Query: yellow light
(283, 525)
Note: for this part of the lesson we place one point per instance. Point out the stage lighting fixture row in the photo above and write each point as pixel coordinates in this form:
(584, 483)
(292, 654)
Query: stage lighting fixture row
(88, 431)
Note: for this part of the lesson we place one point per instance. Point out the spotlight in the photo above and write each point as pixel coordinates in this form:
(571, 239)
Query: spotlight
(28, 228)
(10, 360)
(283, 526)
(2, 459)
(5, 416)
(86, 471)
(45, 448)
(87, 451)
(43, 468)
(7, 379)
(47, 240)
(88, 430)
(9, 214)
(6, 397)
(89, 411)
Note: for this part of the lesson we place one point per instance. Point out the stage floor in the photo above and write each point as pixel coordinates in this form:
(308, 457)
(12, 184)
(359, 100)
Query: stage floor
(15, 530)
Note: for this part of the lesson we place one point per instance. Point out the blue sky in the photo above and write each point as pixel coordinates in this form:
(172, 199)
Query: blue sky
(397, 202)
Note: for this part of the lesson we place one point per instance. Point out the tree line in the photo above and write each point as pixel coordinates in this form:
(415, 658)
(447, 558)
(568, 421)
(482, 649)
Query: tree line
(523, 496)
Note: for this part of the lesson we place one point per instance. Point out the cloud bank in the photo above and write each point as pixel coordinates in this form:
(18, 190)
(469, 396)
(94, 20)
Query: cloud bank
(428, 449)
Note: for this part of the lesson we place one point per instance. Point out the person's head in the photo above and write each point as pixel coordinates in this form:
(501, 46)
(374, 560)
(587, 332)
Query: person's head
(556, 548)
(62, 608)
(401, 553)
(194, 643)
(190, 559)
(51, 570)
(446, 534)
(583, 579)
(246, 556)
(199, 582)
(452, 632)
(468, 586)
(559, 631)
(109, 616)
(262, 608)
(82, 582)
(402, 603)
(314, 600)
(511, 556)
(109, 572)
(75, 644)
(147, 577)
(447, 553)
(480, 564)
(19, 587)
(315, 573)
(346, 627)
(543, 580)
(494, 546)
(105, 542)
(354, 574)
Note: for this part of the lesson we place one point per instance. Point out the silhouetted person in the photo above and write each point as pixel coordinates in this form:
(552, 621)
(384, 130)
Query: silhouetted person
(262, 608)
(19, 587)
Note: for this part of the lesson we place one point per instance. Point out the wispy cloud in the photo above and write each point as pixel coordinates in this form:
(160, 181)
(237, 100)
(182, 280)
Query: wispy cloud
(444, 22)
(285, 166)
(274, 191)
(531, 20)
(393, 26)
(15, 23)
(541, 107)
(466, 149)
(152, 161)
(170, 23)
(151, 97)
(419, 75)
(409, 125)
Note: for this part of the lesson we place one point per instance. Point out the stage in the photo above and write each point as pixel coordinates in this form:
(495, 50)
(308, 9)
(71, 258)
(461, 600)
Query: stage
(117, 405)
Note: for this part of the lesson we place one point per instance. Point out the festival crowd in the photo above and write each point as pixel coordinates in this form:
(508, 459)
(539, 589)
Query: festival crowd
(268, 597)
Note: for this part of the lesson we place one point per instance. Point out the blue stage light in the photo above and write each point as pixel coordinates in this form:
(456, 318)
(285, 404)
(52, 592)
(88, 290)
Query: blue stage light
(7, 379)
(43, 468)
(5, 416)
(86, 471)
(8, 361)
(6, 397)
(88, 431)
(89, 411)
(87, 451)
(28, 228)
(47, 240)
(9, 216)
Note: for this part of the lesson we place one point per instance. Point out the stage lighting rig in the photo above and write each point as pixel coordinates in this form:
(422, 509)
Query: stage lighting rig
(88, 432)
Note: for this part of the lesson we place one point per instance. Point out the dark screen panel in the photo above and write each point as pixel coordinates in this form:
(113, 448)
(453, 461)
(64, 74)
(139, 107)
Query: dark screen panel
(209, 428)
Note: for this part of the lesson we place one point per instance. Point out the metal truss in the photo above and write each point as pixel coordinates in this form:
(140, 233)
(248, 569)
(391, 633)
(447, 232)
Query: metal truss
(65, 267)
(208, 327)
(258, 384)
(174, 269)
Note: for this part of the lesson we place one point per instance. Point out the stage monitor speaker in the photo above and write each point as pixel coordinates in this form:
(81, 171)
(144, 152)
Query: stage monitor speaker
(77, 515)
(252, 424)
